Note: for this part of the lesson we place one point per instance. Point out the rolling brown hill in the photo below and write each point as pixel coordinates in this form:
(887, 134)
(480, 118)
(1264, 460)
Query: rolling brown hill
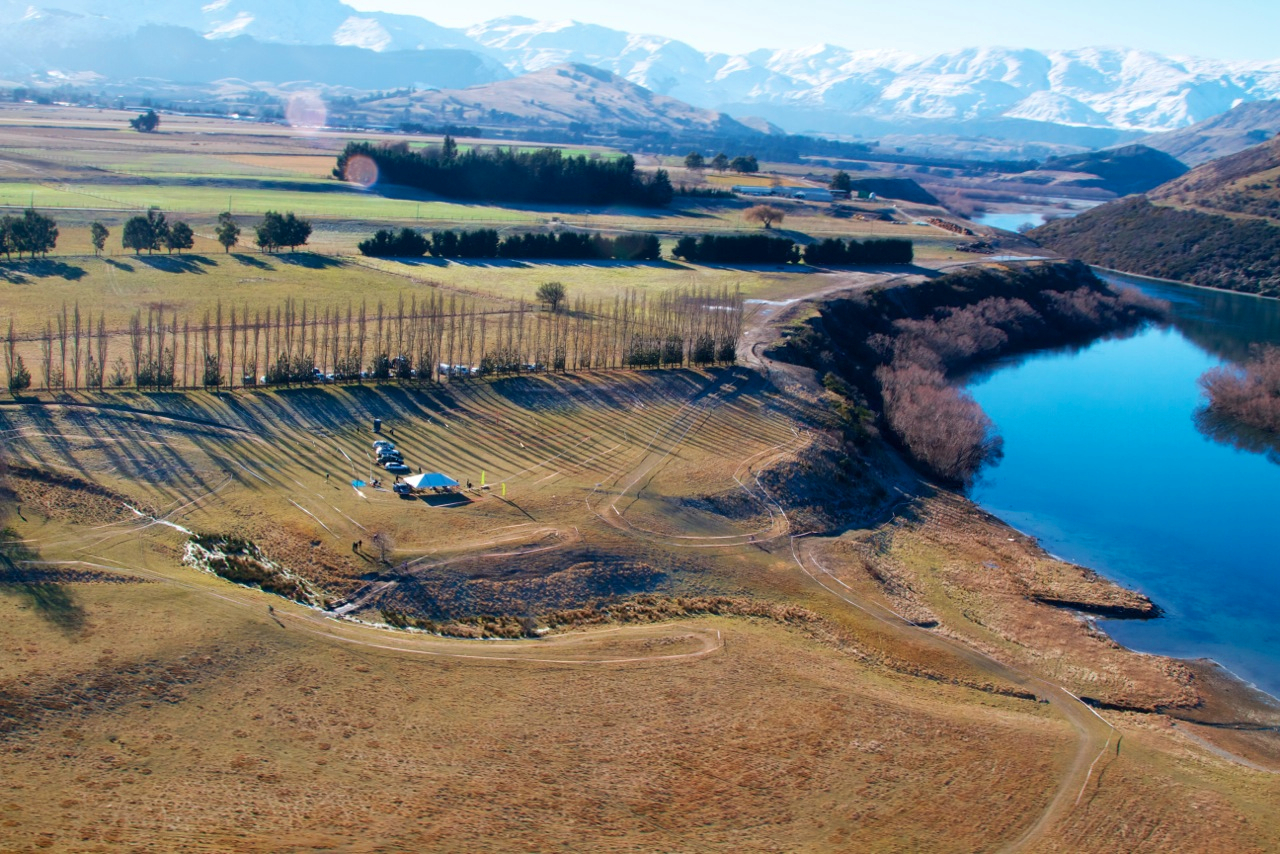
(560, 97)
(1123, 171)
(1218, 226)
(1245, 183)
(1221, 136)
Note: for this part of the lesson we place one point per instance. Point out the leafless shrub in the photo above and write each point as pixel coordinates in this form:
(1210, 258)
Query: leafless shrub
(942, 426)
(1248, 395)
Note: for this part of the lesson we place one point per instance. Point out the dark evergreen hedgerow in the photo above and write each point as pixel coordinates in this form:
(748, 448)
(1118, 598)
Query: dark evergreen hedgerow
(506, 174)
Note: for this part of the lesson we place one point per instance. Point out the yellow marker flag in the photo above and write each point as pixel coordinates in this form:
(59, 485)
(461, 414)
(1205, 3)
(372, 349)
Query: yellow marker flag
(482, 478)
(504, 490)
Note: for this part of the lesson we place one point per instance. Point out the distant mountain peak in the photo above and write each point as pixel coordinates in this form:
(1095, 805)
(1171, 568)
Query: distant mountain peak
(818, 88)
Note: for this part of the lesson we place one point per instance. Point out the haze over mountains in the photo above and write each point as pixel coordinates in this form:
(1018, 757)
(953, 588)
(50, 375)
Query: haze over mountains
(824, 88)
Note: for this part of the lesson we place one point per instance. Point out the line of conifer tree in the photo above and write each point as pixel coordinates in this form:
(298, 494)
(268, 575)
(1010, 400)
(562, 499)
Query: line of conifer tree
(737, 249)
(508, 174)
(486, 243)
(834, 252)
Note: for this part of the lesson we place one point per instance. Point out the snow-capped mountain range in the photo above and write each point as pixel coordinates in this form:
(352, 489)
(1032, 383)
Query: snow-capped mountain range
(824, 87)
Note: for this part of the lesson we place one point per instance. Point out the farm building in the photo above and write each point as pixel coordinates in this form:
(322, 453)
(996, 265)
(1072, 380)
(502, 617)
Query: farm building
(811, 194)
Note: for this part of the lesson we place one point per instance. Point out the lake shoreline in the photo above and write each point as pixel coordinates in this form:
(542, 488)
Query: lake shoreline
(1101, 423)
(1100, 621)
(1158, 280)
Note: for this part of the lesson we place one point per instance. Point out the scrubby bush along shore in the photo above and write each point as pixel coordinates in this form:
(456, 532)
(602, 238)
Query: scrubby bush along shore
(1248, 395)
(900, 348)
(1138, 237)
(418, 340)
(542, 176)
(241, 561)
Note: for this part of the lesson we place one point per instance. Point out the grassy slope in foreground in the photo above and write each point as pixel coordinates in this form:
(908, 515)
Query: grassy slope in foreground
(860, 731)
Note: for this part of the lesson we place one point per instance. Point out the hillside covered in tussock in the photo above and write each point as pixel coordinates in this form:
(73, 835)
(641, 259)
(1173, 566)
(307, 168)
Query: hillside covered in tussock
(1218, 226)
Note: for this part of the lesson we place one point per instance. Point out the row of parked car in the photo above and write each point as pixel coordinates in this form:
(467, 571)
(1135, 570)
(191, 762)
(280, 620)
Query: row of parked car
(389, 458)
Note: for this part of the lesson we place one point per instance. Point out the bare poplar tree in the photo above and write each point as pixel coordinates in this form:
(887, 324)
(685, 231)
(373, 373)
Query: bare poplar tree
(76, 338)
(453, 331)
(322, 352)
(10, 353)
(136, 344)
(233, 329)
(186, 350)
(62, 347)
(102, 350)
(46, 355)
(257, 336)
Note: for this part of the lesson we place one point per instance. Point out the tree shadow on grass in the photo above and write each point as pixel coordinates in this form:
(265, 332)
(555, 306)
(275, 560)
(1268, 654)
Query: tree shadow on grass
(310, 260)
(45, 268)
(52, 602)
(41, 268)
(176, 263)
(251, 261)
(119, 265)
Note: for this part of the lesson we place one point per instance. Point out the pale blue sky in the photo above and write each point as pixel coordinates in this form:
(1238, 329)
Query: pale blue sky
(1225, 29)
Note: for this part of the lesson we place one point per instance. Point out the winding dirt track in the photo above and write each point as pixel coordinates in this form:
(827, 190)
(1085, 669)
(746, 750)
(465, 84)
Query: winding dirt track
(1094, 733)
(322, 625)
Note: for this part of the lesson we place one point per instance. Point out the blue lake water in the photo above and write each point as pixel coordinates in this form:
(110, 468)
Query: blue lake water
(1104, 463)
(1010, 221)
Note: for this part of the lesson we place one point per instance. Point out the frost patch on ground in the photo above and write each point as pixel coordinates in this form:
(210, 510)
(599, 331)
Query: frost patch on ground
(242, 562)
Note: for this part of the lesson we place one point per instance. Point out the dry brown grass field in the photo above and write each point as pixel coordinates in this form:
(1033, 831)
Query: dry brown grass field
(631, 640)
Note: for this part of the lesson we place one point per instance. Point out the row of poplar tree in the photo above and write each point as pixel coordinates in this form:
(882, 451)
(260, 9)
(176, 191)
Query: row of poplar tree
(424, 340)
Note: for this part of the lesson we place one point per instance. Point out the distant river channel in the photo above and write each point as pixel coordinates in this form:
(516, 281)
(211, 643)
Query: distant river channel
(1108, 465)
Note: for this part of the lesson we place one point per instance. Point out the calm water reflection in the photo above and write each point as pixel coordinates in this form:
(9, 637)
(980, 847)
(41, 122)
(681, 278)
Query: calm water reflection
(1106, 464)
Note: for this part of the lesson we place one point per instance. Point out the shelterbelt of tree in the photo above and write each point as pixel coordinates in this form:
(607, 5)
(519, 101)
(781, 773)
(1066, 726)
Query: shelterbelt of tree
(710, 248)
(505, 174)
(487, 243)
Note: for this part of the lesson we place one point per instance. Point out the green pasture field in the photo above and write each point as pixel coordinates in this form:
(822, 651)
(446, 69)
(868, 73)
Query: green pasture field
(31, 292)
(82, 166)
(330, 200)
(87, 164)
